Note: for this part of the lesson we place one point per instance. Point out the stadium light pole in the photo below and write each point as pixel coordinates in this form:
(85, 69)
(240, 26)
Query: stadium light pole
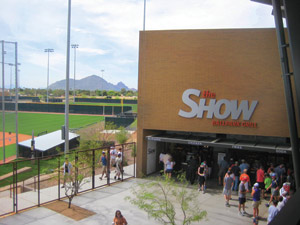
(48, 50)
(102, 71)
(11, 65)
(66, 150)
(74, 46)
(3, 105)
(144, 22)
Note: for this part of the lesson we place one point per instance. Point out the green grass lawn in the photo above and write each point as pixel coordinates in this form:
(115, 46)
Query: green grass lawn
(40, 122)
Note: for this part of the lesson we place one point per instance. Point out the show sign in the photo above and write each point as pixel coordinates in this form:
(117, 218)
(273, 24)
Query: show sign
(213, 107)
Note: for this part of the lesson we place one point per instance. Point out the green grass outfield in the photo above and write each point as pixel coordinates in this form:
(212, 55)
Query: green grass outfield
(40, 122)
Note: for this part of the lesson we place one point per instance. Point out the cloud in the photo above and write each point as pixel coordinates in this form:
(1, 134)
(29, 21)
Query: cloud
(108, 31)
(93, 51)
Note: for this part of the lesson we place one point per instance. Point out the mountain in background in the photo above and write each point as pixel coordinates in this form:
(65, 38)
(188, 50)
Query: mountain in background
(91, 83)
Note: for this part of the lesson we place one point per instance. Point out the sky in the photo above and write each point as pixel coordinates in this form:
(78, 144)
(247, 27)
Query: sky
(107, 32)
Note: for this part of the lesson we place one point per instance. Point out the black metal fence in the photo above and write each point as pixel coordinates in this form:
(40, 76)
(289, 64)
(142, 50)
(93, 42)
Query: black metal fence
(29, 183)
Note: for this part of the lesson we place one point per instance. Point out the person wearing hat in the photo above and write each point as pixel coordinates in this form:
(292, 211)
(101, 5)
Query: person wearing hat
(104, 165)
(256, 201)
(274, 189)
(242, 196)
(202, 170)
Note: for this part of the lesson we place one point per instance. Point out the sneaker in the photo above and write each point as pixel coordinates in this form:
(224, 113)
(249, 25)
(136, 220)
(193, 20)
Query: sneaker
(243, 213)
(119, 178)
(240, 214)
(199, 189)
(203, 192)
(115, 177)
(227, 204)
(254, 220)
(100, 178)
(63, 186)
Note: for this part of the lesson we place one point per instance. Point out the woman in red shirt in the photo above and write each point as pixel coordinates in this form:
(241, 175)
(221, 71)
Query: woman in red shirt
(119, 219)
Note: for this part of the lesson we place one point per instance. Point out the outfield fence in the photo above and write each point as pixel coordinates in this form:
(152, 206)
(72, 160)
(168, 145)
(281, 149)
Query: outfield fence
(29, 183)
(60, 108)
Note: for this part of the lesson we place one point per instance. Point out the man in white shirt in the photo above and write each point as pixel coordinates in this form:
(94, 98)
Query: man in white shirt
(113, 154)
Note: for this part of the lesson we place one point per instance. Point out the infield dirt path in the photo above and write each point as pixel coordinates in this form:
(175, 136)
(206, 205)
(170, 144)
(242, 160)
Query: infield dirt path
(10, 138)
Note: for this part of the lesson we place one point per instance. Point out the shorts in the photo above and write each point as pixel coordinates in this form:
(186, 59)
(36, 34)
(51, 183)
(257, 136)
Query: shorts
(255, 204)
(242, 201)
(201, 180)
(169, 170)
(274, 192)
(261, 185)
(227, 192)
(222, 172)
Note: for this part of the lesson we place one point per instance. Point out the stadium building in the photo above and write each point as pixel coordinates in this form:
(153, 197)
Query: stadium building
(211, 93)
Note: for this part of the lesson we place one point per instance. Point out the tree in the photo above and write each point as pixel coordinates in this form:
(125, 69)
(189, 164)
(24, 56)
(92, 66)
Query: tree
(122, 136)
(123, 91)
(168, 201)
(81, 174)
(111, 93)
(96, 136)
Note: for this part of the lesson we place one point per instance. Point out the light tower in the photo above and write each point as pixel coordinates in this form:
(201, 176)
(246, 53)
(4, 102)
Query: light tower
(48, 50)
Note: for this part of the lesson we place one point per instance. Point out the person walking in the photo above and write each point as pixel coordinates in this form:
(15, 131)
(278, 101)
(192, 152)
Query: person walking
(274, 189)
(202, 170)
(223, 166)
(228, 184)
(242, 197)
(273, 211)
(267, 182)
(237, 172)
(256, 201)
(104, 165)
(245, 176)
(192, 169)
(169, 167)
(67, 166)
(260, 177)
(113, 155)
(161, 163)
(118, 167)
(119, 219)
(244, 165)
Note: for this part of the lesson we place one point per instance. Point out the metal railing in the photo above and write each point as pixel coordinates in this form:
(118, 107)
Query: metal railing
(33, 182)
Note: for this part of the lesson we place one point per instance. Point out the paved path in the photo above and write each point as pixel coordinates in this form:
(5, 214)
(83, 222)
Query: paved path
(105, 201)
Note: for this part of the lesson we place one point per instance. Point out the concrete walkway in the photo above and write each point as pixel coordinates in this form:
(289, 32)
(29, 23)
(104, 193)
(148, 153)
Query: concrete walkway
(105, 201)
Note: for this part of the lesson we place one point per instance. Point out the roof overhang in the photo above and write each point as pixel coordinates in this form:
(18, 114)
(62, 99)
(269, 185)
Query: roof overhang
(222, 142)
(45, 142)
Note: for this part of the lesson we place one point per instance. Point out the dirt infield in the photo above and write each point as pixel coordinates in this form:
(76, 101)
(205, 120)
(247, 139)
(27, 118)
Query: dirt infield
(10, 138)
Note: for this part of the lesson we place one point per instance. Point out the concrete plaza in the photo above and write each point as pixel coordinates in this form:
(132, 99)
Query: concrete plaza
(105, 201)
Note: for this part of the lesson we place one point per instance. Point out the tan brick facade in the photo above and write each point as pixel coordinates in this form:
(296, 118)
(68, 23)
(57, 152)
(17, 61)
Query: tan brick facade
(232, 64)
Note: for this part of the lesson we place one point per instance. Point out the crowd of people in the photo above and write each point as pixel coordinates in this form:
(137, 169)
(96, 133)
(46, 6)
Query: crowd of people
(273, 184)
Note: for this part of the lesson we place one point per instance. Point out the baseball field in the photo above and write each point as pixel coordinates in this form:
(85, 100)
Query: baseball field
(38, 123)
